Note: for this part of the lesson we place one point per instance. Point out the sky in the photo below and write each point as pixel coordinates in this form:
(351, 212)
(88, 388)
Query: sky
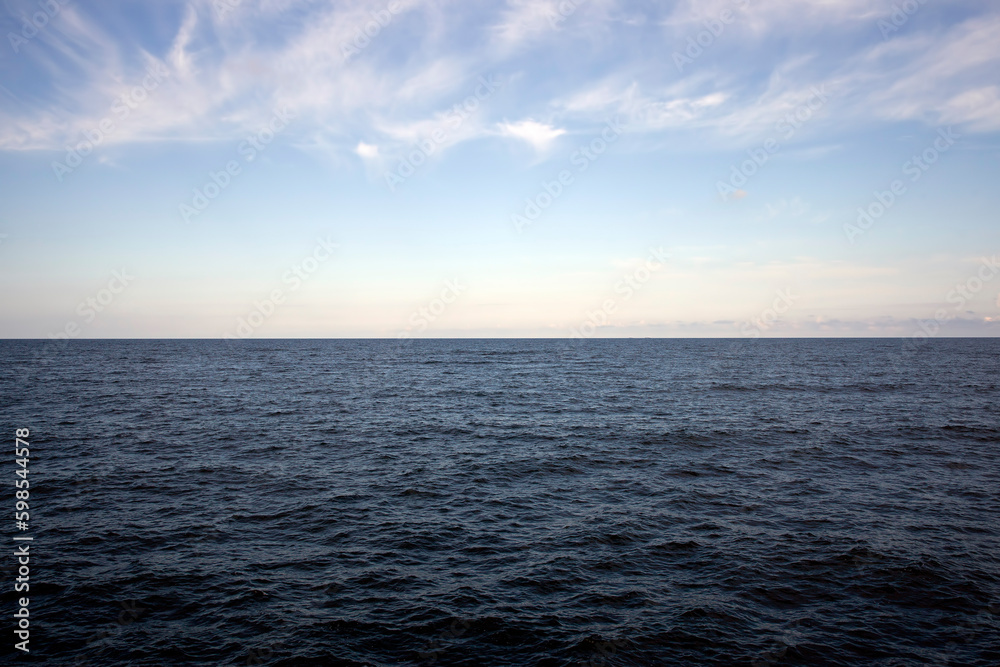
(528, 168)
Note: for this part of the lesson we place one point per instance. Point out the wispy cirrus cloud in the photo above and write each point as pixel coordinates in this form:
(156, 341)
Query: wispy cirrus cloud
(936, 76)
(228, 70)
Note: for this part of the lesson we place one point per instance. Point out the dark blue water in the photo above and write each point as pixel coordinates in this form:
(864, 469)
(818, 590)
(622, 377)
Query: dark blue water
(629, 502)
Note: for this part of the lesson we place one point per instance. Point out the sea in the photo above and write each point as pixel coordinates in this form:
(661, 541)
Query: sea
(506, 502)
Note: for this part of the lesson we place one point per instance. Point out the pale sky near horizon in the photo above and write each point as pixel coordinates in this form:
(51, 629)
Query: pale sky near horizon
(519, 168)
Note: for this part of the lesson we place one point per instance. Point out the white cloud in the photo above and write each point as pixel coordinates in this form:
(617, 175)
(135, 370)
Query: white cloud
(225, 76)
(769, 16)
(937, 78)
(539, 135)
(525, 19)
(366, 151)
(935, 75)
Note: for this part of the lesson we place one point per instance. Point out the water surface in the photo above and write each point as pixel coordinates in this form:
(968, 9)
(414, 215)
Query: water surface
(500, 502)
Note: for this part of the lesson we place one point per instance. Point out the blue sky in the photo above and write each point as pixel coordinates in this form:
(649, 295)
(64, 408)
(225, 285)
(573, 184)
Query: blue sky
(519, 168)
